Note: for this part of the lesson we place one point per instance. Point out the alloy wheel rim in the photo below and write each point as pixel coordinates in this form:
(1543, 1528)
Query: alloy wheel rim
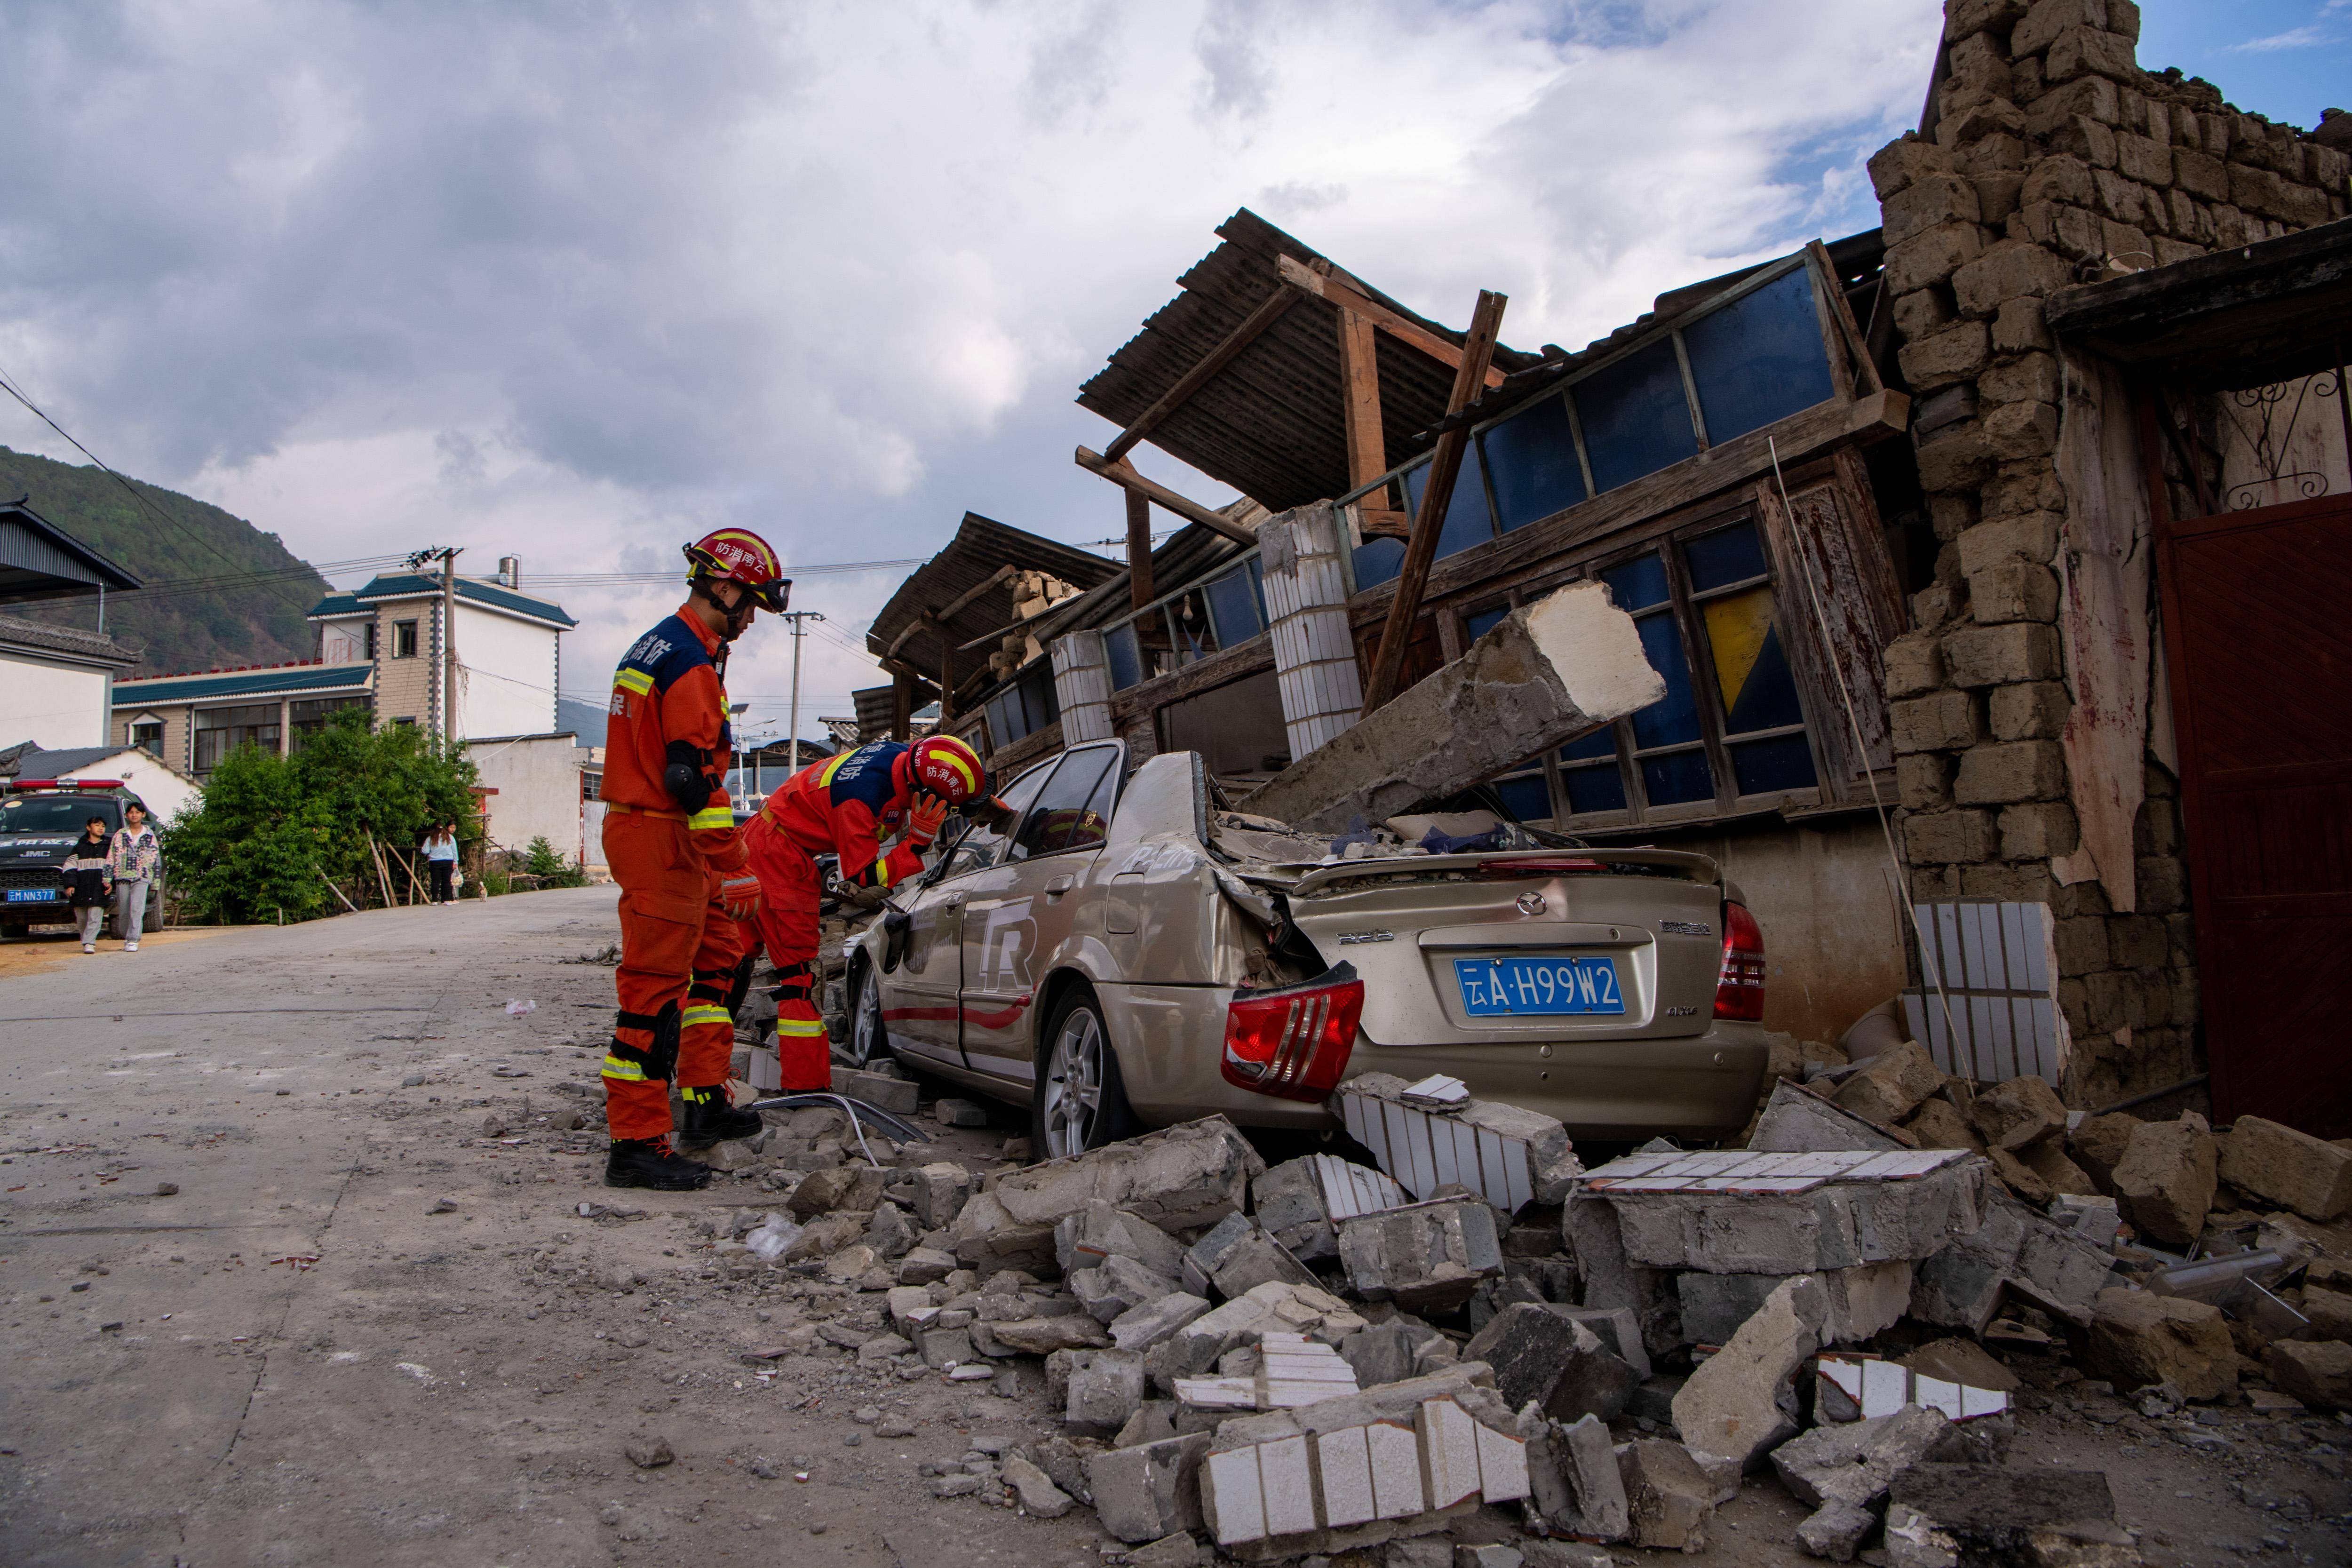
(1073, 1085)
(863, 1042)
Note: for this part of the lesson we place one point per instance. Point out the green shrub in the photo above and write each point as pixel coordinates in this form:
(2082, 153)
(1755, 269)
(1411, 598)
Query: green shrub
(541, 860)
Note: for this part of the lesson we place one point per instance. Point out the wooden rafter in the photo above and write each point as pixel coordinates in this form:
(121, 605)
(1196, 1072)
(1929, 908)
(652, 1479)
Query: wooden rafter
(1444, 465)
(1359, 404)
(1122, 473)
(1139, 548)
(1353, 300)
(1216, 359)
(936, 620)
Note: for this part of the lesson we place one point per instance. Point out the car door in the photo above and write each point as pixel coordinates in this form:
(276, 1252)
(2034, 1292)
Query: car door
(920, 998)
(1018, 914)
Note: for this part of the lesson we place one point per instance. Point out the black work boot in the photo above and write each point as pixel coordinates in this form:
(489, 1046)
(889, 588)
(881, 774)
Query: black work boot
(649, 1162)
(712, 1116)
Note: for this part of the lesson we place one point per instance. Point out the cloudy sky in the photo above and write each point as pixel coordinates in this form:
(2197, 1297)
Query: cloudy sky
(578, 279)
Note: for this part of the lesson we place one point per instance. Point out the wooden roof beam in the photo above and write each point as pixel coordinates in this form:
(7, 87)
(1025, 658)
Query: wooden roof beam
(928, 620)
(1269, 311)
(1349, 298)
(1121, 472)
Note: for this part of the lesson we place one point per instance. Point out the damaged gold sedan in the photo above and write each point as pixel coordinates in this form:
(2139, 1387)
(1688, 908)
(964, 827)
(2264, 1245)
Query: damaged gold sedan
(1126, 955)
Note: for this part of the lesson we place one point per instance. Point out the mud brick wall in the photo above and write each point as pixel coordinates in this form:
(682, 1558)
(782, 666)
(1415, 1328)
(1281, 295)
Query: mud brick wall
(2054, 159)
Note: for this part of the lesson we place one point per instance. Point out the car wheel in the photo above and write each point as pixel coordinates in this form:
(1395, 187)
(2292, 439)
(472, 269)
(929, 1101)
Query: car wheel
(866, 1040)
(1078, 1102)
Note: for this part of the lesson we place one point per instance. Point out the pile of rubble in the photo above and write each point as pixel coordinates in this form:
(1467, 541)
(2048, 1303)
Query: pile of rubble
(1336, 1355)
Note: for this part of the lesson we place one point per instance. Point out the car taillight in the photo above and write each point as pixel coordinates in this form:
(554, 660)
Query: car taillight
(1293, 1042)
(1739, 986)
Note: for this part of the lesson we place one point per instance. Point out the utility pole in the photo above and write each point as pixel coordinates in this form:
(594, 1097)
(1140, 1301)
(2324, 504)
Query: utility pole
(796, 617)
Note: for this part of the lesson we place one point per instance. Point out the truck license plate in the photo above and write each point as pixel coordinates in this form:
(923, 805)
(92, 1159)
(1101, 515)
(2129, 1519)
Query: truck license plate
(1537, 987)
(33, 894)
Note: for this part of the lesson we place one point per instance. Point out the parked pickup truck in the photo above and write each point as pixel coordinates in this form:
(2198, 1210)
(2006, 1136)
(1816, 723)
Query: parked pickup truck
(1127, 953)
(39, 820)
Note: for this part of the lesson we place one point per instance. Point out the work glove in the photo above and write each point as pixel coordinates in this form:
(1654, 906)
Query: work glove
(739, 895)
(992, 813)
(924, 816)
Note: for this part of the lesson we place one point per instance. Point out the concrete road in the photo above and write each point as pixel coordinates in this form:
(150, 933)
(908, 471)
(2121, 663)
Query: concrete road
(290, 1359)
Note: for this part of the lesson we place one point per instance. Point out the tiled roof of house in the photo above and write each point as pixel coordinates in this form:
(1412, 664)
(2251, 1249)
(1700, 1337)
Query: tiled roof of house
(309, 679)
(417, 586)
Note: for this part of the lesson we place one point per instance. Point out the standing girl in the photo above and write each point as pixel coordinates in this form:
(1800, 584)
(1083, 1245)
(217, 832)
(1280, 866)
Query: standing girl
(134, 860)
(88, 880)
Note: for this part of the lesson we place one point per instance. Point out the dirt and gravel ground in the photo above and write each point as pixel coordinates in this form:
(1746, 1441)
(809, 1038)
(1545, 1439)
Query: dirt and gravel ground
(294, 1358)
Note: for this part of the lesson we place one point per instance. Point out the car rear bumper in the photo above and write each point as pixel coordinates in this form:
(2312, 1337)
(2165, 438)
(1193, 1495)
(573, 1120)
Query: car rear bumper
(1702, 1086)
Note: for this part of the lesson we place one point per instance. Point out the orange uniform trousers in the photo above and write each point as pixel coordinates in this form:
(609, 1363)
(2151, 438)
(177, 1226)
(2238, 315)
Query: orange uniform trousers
(789, 889)
(678, 953)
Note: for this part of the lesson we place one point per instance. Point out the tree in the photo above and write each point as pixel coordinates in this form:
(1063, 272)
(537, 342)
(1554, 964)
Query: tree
(541, 860)
(270, 832)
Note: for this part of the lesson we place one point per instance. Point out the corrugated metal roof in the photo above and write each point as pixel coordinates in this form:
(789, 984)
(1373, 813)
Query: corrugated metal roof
(415, 586)
(1269, 424)
(875, 709)
(38, 559)
(981, 545)
(308, 680)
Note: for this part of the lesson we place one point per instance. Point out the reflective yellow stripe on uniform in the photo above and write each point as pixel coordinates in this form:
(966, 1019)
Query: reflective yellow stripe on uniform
(704, 1014)
(711, 816)
(799, 1026)
(637, 680)
(616, 1067)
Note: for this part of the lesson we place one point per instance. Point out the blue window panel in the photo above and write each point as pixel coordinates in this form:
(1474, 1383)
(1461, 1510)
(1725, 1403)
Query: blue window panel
(1638, 583)
(1602, 742)
(1532, 456)
(1484, 621)
(1378, 560)
(1758, 359)
(1593, 789)
(1785, 762)
(1674, 717)
(1681, 776)
(1468, 521)
(1526, 797)
(1733, 555)
(1125, 658)
(1233, 607)
(1636, 417)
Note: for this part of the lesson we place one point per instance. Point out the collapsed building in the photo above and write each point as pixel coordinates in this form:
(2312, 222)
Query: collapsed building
(1990, 517)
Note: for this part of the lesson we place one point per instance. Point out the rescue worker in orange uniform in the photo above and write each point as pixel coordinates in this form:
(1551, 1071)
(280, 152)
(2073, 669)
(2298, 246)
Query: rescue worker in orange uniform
(671, 841)
(847, 806)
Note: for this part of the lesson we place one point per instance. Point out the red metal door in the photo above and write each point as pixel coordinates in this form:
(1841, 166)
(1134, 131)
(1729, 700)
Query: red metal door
(2258, 626)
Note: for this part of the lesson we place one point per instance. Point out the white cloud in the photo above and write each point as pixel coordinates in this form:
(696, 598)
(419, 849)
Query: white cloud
(576, 285)
(2294, 39)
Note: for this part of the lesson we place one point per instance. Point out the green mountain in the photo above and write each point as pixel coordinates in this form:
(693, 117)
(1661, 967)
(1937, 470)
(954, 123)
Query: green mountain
(220, 592)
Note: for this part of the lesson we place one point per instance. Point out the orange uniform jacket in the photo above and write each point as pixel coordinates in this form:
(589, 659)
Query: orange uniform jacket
(667, 706)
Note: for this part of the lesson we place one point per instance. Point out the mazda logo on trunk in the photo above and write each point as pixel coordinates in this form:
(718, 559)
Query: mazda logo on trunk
(1532, 903)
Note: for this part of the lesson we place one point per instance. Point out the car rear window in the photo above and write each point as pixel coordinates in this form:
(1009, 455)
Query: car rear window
(55, 812)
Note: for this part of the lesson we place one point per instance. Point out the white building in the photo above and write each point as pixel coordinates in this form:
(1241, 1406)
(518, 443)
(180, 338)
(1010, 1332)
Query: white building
(509, 645)
(54, 680)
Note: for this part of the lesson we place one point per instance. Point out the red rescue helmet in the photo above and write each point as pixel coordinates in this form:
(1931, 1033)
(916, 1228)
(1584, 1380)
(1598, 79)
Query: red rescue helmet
(949, 768)
(737, 555)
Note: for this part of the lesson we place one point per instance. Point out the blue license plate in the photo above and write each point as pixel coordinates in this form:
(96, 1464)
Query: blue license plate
(35, 895)
(1537, 987)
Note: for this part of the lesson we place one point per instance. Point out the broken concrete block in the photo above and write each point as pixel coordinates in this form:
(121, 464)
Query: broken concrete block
(1253, 1259)
(897, 1095)
(943, 1347)
(2098, 1143)
(1835, 1531)
(1669, 1500)
(2330, 1312)
(2317, 1373)
(1740, 1401)
(2166, 1179)
(2017, 1113)
(1105, 1387)
(2291, 1169)
(1040, 1336)
(1865, 1300)
(1619, 1331)
(1799, 1121)
(1891, 1084)
(837, 1192)
(1540, 1355)
(1098, 1232)
(922, 1265)
(1117, 1287)
(939, 1191)
(1961, 1286)
(1962, 1361)
(1986, 1500)
(1426, 1257)
(1912, 1541)
(1564, 1554)
(1509, 1155)
(1195, 1347)
(1299, 1201)
(1290, 1370)
(2137, 1338)
(1179, 1551)
(2054, 1169)
(1142, 1327)
(1149, 1491)
(1575, 1487)
(1551, 672)
(1035, 1489)
(890, 1233)
(1938, 1124)
(2098, 1220)
(1384, 1352)
(1179, 1178)
(1842, 1211)
(1853, 1462)
(1849, 1388)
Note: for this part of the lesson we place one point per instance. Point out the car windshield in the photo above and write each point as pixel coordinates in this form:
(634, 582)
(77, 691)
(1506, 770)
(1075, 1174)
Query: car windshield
(49, 814)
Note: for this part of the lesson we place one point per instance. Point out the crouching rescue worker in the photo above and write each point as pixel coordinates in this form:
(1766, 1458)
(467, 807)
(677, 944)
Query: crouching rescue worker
(847, 806)
(671, 841)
